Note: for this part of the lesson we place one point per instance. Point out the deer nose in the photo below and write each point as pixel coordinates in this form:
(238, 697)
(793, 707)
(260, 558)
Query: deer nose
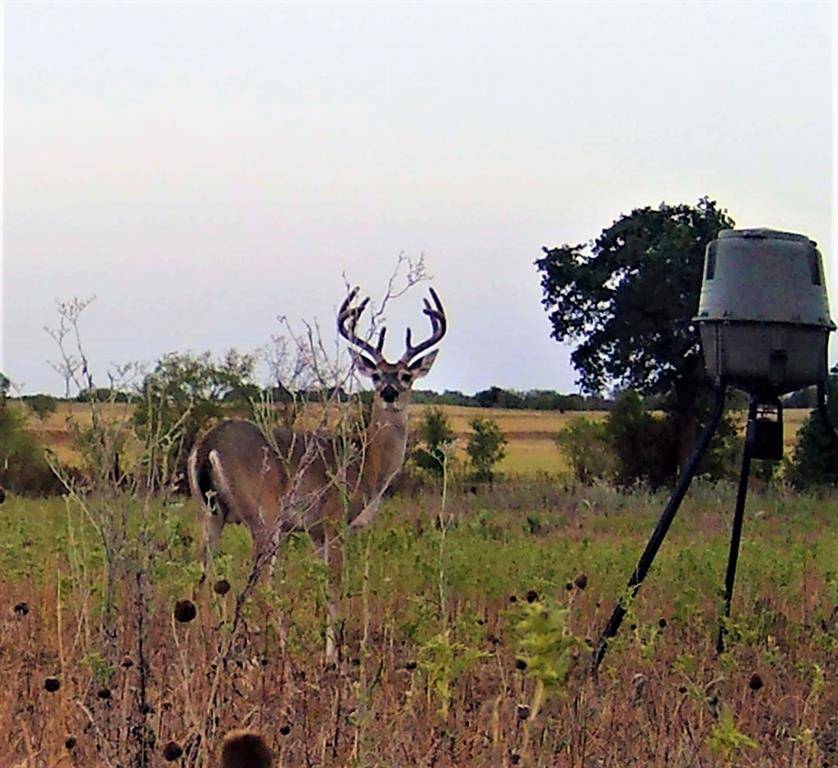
(389, 394)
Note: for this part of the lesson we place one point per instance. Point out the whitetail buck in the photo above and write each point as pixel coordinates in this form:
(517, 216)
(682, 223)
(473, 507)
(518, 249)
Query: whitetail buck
(303, 481)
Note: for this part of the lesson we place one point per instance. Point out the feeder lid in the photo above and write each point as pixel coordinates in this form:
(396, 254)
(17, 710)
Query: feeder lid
(764, 276)
(762, 232)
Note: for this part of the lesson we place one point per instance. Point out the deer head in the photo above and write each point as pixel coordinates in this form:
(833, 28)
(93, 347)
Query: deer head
(392, 381)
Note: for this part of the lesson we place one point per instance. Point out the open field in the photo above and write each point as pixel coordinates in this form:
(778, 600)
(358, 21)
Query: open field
(531, 434)
(443, 654)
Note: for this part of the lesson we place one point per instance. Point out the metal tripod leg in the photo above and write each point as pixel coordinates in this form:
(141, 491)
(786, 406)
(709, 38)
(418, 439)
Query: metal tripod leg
(738, 515)
(662, 527)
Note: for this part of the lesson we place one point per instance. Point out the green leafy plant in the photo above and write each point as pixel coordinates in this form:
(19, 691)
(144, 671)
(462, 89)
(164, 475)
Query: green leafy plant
(41, 405)
(585, 444)
(435, 435)
(442, 661)
(726, 741)
(547, 648)
(486, 447)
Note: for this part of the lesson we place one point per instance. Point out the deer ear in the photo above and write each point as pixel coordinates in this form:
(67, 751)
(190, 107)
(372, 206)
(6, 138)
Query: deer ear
(422, 366)
(362, 363)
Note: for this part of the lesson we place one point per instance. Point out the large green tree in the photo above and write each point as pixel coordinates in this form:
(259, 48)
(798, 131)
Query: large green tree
(627, 301)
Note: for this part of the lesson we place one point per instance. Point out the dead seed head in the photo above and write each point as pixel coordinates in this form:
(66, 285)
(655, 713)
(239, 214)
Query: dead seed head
(185, 611)
(52, 684)
(70, 742)
(172, 751)
(581, 581)
(532, 596)
(662, 623)
(568, 586)
(755, 683)
(285, 730)
(104, 693)
(513, 599)
(21, 609)
(522, 711)
(221, 587)
(242, 749)
(127, 663)
(520, 664)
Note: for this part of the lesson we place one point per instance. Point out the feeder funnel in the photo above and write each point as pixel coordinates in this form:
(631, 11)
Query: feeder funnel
(763, 312)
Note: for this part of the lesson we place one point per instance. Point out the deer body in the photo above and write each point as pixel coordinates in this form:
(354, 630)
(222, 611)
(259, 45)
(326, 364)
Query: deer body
(301, 481)
(238, 475)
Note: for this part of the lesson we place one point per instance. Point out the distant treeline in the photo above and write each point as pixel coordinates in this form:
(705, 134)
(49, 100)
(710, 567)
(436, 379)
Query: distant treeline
(496, 397)
(493, 397)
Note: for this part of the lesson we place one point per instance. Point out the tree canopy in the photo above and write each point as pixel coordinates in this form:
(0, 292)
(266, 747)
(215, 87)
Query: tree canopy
(628, 298)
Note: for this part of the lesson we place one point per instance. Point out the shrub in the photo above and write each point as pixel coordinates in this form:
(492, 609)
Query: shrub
(645, 446)
(23, 468)
(586, 445)
(486, 447)
(41, 405)
(435, 436)
(179, 398)
(815, 461)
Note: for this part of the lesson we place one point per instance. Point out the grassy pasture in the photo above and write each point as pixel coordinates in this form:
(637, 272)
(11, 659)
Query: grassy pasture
(531, 449)
(434, 619)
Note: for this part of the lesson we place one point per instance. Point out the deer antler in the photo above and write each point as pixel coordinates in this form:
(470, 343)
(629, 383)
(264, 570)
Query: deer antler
(348, 317)
(438, 327)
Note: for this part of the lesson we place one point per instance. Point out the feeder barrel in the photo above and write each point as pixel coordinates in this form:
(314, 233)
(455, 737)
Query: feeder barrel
(764, 311)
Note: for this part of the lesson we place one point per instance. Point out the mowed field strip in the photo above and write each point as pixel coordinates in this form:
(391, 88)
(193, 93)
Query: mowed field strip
(531, 447)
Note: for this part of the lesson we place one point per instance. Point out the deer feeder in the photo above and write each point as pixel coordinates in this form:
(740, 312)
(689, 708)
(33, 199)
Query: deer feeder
(764, 322)
(763, 314)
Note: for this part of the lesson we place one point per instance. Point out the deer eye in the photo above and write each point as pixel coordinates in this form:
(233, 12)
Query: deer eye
(405, 377)
(376, 377)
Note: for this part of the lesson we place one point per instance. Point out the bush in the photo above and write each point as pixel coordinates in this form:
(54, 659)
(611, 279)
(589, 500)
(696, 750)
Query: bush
(815, 461)
(634, 445)
(586, 445)
(645, 446)
(486, 447)
(41, 405)
(435, 437)
(23, 468)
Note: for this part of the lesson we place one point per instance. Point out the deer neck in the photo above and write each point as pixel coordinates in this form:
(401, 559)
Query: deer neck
(386, 442)
(382, 456)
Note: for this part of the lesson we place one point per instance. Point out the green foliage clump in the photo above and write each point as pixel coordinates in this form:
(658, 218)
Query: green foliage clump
(486, 447)
(815, 461)
(547, 648)
(182, 394)
(585, 443)
(635, 446)
(41, 405)
(645, 446)
(435, 436)
(23, 466)
(726, 741)
(442, 661)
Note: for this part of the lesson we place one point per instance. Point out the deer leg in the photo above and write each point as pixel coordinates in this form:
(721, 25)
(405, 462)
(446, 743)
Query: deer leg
(213, 525)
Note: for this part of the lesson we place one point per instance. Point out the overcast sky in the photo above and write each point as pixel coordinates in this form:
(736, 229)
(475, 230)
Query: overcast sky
(203, 168)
